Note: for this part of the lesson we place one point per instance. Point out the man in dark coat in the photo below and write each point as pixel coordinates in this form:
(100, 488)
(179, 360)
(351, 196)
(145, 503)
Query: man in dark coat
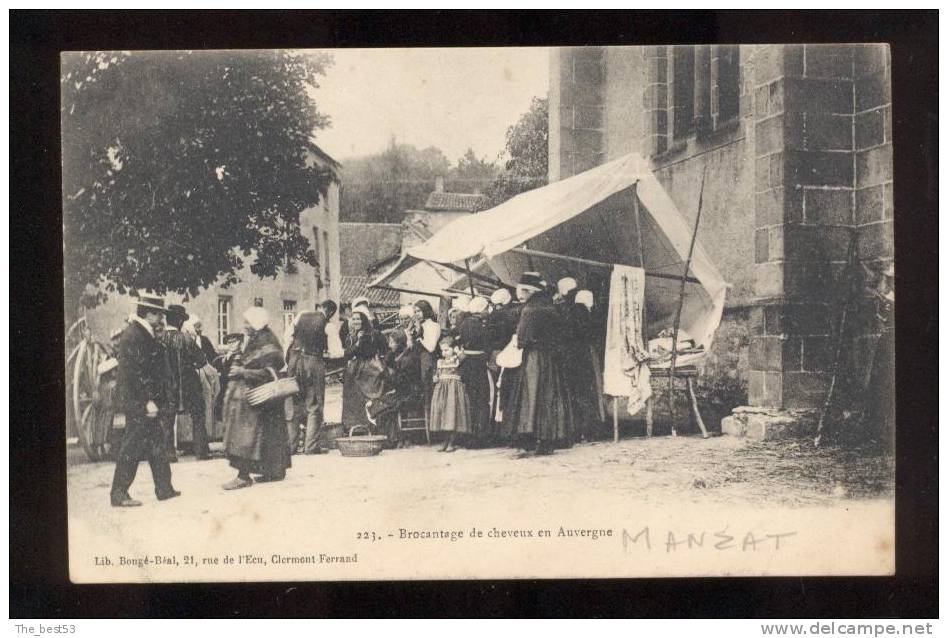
(185, 358)
(305, 362)
(140, 374)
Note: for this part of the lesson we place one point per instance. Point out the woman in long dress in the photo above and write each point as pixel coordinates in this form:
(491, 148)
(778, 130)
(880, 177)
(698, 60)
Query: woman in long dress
(255, 436)
(363, 349)
(540, 403)
(502, 326)
(473, 340)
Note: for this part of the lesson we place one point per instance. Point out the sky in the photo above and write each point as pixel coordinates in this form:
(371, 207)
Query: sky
(449, 98)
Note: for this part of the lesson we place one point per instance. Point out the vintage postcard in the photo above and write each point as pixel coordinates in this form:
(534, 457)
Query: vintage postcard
(468, 313)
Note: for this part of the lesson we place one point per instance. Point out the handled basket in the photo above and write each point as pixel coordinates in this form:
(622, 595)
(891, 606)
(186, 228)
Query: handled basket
(279, 388)
(367, 445)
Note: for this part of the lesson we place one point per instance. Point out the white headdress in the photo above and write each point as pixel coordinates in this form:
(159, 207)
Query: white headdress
(257, 317)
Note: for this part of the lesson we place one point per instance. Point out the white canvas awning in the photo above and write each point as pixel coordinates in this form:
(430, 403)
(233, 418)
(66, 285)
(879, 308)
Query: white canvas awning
(590, 216)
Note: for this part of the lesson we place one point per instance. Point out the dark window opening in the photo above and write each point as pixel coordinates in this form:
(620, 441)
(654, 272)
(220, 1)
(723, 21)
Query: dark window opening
(683, 121)
(729, 83)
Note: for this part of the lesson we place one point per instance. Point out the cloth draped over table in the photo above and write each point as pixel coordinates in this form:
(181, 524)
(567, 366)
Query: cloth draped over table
(626, 372)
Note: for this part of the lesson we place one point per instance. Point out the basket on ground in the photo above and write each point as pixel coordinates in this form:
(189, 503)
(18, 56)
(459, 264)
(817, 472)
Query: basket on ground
(365, 445)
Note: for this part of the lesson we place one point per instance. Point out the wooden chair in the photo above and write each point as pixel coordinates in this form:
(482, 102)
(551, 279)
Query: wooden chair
(408, 423)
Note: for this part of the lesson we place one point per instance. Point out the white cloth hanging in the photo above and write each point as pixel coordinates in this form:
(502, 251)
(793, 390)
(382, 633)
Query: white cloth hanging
(625, 365)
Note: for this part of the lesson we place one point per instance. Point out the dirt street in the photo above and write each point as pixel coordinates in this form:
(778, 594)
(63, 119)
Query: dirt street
(419, 485)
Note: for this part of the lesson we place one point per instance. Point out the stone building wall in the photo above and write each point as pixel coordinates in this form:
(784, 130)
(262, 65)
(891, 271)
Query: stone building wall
(797, 145)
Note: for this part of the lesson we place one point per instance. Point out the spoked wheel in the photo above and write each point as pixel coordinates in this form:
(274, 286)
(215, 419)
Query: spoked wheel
(84, 409)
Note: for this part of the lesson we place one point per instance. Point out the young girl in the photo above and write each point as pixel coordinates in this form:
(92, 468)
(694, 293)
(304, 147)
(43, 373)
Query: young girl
(450, 407)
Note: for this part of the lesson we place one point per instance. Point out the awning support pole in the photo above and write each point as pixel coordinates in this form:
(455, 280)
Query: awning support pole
(597, 264)
(490, 280)
(470, 279)
(408, 291)
(638, 238)
(681, 303)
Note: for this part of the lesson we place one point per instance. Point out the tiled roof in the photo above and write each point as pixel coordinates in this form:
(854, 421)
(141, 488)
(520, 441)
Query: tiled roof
(469, 202)
(355, 286)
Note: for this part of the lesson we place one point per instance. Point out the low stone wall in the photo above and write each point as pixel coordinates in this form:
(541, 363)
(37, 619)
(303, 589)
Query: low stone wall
(768, 424)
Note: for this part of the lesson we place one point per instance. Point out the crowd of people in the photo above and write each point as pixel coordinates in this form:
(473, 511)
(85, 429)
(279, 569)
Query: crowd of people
(521, 372)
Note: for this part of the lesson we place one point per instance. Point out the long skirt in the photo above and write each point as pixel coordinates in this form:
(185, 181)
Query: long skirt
(450, 407)
(474, 376)
(540, 402)
(581, 376)
(509, 379)
(353, 404)
(255, 437)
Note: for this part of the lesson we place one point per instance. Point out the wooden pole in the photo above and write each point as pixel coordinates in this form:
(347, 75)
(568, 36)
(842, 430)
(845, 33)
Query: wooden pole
(638, 239)
(615, 419)
(681, 303)
(852, 271)
(596, 264)
(470, 279)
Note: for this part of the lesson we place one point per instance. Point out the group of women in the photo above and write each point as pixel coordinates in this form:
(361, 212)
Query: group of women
(498, 372)
(521, 372)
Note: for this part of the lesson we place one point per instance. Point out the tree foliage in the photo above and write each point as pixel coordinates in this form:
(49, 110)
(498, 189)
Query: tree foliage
(527, 150)
(381, 187)
(180, 168)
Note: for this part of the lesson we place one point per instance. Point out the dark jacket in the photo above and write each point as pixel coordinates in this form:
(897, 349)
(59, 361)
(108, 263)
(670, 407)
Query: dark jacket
(309, 334)
(208, 349)
(141, 369)
(185, 357)
(540, 324)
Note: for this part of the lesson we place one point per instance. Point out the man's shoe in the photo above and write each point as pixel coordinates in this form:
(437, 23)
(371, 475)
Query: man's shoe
(166, 495)
(126, 502)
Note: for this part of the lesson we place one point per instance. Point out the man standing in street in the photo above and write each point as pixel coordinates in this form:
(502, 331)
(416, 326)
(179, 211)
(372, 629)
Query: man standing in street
(140, 373)
(185, 358)
(305, 362)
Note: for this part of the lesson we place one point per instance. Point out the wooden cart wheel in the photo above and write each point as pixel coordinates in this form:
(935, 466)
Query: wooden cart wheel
(84, 379)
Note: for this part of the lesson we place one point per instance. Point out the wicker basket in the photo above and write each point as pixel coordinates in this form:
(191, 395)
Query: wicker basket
(367, 445)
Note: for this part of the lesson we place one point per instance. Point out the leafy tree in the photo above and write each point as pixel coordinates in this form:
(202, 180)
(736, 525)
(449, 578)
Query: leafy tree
(527, 149)
(381, 187)
(471, 175)
(180, 167)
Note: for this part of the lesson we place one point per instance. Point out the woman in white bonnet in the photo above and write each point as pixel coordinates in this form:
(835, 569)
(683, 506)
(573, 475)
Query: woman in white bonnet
(255, 437)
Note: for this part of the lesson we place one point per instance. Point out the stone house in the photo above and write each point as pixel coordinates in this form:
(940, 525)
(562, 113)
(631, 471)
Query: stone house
(797, 144)
(298, 287)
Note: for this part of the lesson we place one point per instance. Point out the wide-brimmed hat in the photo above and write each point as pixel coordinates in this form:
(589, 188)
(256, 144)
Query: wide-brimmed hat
(532, 280)
(177, 310)
(154, 303)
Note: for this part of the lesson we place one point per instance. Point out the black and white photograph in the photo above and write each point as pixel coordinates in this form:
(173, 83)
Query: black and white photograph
(467, 313)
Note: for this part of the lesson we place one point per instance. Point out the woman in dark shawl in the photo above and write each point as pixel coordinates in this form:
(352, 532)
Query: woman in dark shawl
(473, 339)
(540, 402)
(255, 436)
(402, 385)
(363, 371)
